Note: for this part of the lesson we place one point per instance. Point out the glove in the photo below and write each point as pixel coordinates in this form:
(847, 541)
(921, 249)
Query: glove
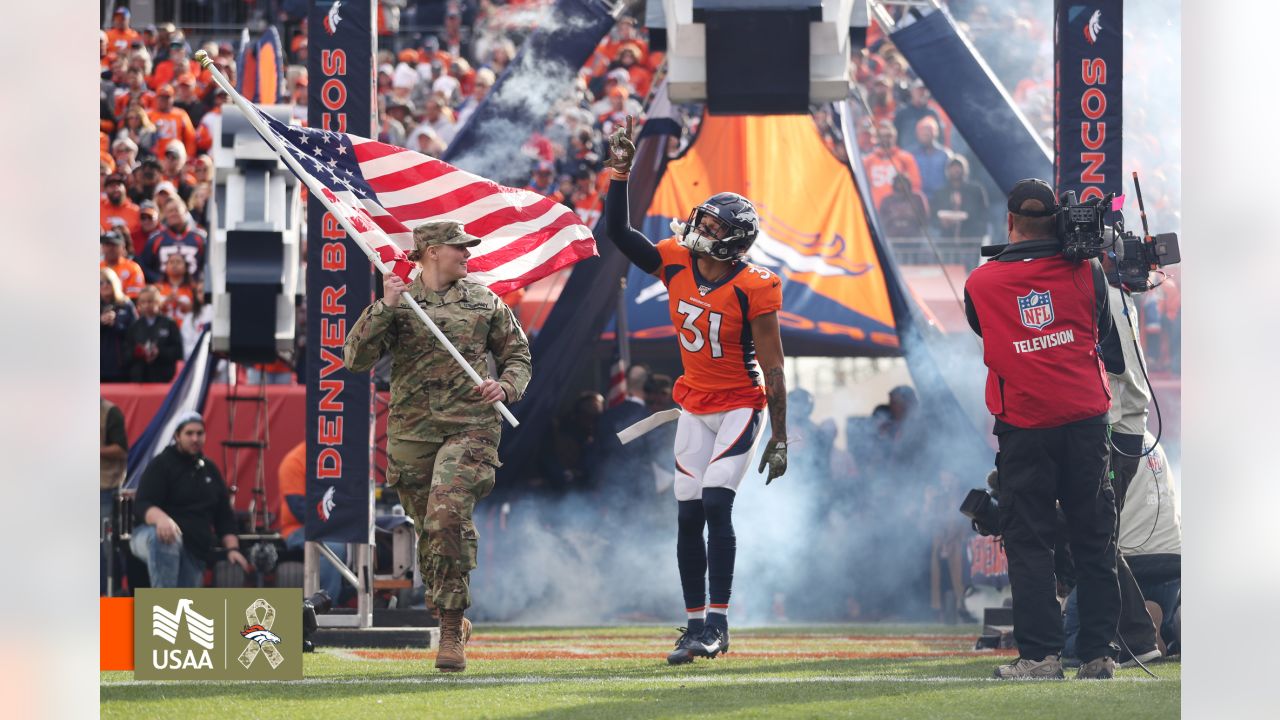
(775, 456)
(622, 148)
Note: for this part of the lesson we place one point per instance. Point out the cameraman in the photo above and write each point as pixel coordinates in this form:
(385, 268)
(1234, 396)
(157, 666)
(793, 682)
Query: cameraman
(1130, 397)
(1041, 317)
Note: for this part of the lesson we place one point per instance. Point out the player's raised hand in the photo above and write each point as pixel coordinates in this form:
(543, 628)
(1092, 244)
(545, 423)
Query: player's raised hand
(622, 148)
(775, 457)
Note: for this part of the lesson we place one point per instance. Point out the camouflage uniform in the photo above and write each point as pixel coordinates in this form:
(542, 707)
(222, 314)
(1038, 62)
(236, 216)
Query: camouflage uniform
(442, 441)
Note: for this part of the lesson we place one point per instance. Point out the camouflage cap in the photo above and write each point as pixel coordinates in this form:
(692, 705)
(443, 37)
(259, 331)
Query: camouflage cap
(442, 232)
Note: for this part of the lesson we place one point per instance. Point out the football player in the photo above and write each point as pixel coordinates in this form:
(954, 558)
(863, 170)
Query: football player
(725, 311)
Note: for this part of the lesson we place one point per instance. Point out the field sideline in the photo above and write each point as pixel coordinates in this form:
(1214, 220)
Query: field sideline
(873, 671)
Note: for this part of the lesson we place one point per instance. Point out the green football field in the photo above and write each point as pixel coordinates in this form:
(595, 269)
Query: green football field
(872, 671)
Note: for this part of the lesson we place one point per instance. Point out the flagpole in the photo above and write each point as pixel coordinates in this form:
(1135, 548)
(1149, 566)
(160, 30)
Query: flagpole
(624, 333)
(317, 191)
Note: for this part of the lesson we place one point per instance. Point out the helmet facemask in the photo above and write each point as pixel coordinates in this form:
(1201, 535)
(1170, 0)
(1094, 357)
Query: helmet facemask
(724, 243)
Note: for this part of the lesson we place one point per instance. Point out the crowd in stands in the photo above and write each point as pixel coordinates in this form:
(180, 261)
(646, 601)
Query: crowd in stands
(160, 113)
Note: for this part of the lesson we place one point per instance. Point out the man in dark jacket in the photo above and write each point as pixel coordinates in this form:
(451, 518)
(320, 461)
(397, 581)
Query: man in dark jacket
(182, 507)
(153, 343)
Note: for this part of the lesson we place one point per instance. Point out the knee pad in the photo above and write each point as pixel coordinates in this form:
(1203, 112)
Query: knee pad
(690, 517)
(717, 503)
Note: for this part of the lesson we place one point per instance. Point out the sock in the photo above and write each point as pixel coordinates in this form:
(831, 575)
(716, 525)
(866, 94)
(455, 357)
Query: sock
(691, 553)
(718, 616)
(722, 547)
(696, 621)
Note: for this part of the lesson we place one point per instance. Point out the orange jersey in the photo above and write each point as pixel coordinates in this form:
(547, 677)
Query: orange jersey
(177, 300)
(882, 169)
(713, 327)
(173, 125)
(126, 213)
(130, 273)
(118, 40)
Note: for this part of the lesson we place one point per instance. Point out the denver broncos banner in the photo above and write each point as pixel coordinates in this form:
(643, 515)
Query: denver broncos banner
(1089, 56)
(339, 430)
(813, 233)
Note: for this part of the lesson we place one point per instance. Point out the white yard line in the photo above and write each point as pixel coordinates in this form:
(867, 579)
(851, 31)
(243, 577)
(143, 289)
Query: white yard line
(599, 679)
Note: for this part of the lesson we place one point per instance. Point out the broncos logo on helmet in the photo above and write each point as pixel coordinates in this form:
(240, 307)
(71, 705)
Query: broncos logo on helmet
(739, 225)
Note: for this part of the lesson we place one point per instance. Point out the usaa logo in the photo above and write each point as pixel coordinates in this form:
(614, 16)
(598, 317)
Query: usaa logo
(168, 626)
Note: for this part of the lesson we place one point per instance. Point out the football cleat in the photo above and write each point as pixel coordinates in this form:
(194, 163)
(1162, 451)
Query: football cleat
(713, 641)
(684, 648)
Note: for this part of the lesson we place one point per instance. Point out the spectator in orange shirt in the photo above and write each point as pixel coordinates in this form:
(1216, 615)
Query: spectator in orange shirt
(116, 208)
(177, 63)
(172, 123)
(585, 198)
(177, 289)
(887, 162)
(880, 99)
(135, 91)
(291, 481)
(113, 258)
(628, 59)
(120, 34)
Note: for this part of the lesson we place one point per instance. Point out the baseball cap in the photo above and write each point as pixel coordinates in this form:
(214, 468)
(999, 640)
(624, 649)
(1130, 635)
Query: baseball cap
(148, 207)
(114, 178)
(443, 232)
(186, 419)
(619, 74)
(1032, 189)
(110, 238)
(544, 166)
(122, 11)
(409, 55)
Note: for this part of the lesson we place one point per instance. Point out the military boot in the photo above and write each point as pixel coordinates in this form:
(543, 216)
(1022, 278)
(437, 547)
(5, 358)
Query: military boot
(451, 657)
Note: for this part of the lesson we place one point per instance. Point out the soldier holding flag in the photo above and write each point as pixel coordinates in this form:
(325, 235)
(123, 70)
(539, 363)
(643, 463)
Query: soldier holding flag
(442, 433)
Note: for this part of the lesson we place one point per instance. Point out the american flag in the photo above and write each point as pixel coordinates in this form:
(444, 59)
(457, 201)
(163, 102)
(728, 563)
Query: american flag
(385, 191)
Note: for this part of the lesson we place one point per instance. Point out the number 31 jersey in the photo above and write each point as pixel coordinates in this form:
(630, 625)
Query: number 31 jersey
(713, 328)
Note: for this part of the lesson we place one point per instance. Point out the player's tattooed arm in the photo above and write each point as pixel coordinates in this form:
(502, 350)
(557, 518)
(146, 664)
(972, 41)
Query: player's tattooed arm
(769, 351)
(768, 340)
(775, 388)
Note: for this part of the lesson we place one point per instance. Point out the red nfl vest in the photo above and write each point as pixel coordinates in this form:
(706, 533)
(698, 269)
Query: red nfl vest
(1040, 341)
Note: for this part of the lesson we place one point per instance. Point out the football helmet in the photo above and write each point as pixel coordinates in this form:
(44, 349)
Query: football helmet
(739, 226)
